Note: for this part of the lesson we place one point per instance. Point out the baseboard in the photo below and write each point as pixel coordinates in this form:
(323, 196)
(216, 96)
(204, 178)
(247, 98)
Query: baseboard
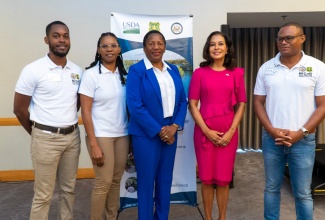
(28, 175)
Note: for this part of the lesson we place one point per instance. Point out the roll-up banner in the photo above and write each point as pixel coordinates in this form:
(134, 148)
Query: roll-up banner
(178, 31)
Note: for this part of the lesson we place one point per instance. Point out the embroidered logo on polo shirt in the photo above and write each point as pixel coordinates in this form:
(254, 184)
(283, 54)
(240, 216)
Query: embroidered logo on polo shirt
(305, 71)
(75, 79)
(271, 71)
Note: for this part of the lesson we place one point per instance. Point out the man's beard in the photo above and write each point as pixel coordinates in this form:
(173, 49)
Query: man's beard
(57, 53)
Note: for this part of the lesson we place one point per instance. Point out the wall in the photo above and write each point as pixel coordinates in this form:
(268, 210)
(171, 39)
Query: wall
(22, 30)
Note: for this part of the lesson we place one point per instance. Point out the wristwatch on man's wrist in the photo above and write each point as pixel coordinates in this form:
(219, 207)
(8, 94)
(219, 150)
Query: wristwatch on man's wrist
(305, 131)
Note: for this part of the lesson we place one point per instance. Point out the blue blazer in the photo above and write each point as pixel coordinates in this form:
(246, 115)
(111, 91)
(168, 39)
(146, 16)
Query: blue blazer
(145, 104)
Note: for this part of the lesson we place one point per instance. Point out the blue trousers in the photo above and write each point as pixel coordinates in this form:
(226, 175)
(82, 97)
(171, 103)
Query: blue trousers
(300, 158)
(154, 162)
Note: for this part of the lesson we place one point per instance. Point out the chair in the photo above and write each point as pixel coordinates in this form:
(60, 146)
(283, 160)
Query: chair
(318, 181)
(318, 178)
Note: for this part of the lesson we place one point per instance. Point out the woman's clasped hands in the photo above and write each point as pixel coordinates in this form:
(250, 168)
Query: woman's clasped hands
(167, 134)
(219, 138)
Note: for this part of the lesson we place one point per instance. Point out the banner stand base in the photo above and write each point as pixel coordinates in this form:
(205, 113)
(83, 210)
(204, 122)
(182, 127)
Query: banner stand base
(197, 206)
(118, 213)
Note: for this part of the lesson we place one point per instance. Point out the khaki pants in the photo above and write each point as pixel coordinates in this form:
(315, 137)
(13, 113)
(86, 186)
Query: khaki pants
(106, 192)
(55, 158)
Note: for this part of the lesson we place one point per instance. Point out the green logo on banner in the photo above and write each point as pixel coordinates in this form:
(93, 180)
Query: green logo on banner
(132, 31)
(154, 26)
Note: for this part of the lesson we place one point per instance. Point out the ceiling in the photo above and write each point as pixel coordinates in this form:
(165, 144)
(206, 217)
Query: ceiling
(275, 19)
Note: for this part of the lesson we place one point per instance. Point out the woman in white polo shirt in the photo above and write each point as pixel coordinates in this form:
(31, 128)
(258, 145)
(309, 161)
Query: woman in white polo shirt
(103, 109)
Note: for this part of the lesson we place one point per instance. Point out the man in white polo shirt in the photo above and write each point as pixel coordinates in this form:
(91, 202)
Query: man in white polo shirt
(46, 104)
(292, 87)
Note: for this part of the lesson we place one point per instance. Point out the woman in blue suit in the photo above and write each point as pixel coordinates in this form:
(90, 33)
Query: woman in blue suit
(157, 104)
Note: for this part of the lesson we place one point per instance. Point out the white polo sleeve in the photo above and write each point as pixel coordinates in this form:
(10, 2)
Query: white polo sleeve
(259, 84)
(27, 81)
(320, 84)
(89, 83)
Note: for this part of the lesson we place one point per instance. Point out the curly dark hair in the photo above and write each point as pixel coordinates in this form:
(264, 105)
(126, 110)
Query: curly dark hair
(229, 62)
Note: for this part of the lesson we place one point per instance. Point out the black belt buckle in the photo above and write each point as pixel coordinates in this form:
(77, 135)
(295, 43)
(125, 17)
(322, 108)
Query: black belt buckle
(68, 130)
(63, 131)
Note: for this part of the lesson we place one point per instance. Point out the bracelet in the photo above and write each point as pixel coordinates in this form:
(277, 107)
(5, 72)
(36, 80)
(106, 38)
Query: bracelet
(176, 125)
(232, 129)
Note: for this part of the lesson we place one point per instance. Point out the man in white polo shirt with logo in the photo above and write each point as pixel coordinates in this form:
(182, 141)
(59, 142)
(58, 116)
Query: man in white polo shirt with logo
(292, 87)
(46, 104)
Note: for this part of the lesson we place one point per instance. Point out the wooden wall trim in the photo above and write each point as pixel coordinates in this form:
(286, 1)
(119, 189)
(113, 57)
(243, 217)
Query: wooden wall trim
(9, 122)
(15, 122)
(28, 175)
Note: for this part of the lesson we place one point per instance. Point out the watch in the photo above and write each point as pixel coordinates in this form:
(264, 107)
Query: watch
(305, 131)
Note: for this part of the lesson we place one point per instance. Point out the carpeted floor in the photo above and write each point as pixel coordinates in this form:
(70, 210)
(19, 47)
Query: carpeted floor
(245, 200)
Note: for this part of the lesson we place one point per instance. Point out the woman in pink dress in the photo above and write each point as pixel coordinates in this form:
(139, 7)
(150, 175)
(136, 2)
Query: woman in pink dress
(220, 88)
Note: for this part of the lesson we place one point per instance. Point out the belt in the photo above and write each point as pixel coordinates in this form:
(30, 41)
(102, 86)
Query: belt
(66, 130)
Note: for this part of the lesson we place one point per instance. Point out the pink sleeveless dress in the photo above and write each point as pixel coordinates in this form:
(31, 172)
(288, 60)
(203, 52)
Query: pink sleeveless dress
(218, 92)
